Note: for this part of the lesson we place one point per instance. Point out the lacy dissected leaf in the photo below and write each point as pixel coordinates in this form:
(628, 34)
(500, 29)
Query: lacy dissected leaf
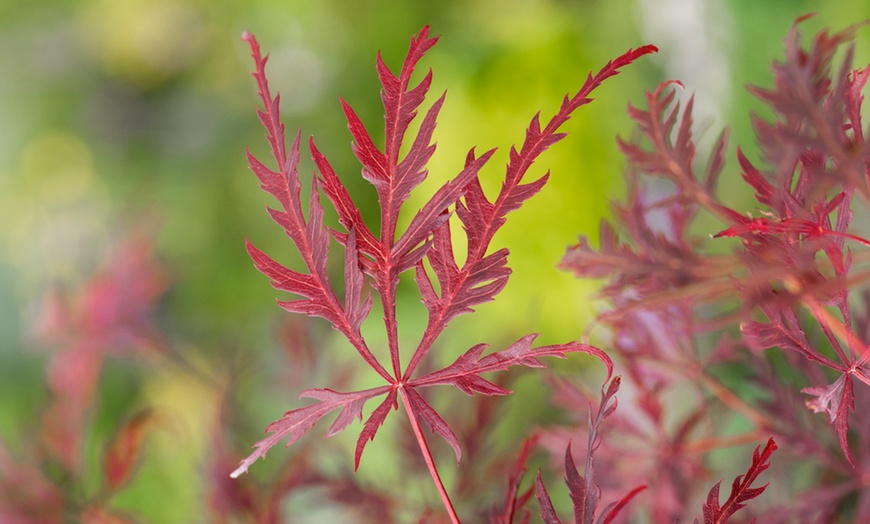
(431, 417)
(432, 215)
(669, 157)
(395, 171)
(813, 104)
(348, 213)
(788, 279)
(649, 255)
(837, 400)
(357, 309)
(297, 422)
(485, 279)
(373, 423)
(482, 218)
(784, 331)
(741, 489)
(465, 372)
(311, 237)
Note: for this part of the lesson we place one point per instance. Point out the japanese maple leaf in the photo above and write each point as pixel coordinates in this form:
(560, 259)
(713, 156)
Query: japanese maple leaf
(380, 257)
(741, 489)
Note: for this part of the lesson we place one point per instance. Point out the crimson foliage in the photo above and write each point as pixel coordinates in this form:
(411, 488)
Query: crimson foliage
(723, 335)
(764, 331)
(380, 258)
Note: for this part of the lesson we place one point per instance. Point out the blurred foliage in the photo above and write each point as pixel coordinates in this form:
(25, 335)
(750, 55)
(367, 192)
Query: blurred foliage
(120, 116)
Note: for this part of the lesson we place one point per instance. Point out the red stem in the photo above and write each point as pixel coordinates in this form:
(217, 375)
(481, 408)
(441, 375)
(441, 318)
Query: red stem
(427, 456)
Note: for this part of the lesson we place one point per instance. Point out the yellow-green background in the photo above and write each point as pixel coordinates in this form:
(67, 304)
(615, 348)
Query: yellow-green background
(117, 113)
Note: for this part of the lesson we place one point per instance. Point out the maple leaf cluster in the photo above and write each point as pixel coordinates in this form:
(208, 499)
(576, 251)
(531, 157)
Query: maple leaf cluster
(725, 329)
(767, 333)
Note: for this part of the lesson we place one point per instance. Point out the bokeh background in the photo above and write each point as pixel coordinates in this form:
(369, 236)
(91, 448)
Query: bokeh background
(130, 118)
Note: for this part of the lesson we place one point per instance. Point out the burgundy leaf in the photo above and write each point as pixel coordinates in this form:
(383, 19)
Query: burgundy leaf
(764, 191)
(548, 512)
(311, 238)
(297, 422)
(373, 423)
(741, 490)
(374, 162)
(308, 286)
(434, 420)
(482, 219)
(584, 490)
(432, 214)
(400, 102)
(353, 285)
(784, 331)
(386, 256)
(393, 179)
(837, 400)
(485, 280)
(465, 372)
(585, 494)
(348, 214)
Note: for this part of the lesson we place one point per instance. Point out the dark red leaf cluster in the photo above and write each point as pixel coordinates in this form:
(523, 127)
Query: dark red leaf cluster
(677, 297)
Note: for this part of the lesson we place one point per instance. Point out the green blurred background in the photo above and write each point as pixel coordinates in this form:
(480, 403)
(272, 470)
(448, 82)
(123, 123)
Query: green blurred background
(135, 114)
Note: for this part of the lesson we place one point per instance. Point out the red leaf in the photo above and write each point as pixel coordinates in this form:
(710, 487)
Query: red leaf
(548, 512)
(584, 490)
(400, 103)
(297, 422)
(432, 215)
(375, 421)
(124, 451)
(611, 511)
(311, 238)
(837, 400)
(482, 218)
(585, 494)
(465, 372)
(374, 162)
(764, 191)
(385, 256)
(353, 285)
(394, 179)
(348, 214)
(784, 331)
(434, 420)
(741, 490)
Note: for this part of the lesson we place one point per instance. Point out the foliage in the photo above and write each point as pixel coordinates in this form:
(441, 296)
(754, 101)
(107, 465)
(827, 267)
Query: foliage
(779, 308)
(726, 329)
(384, 257)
